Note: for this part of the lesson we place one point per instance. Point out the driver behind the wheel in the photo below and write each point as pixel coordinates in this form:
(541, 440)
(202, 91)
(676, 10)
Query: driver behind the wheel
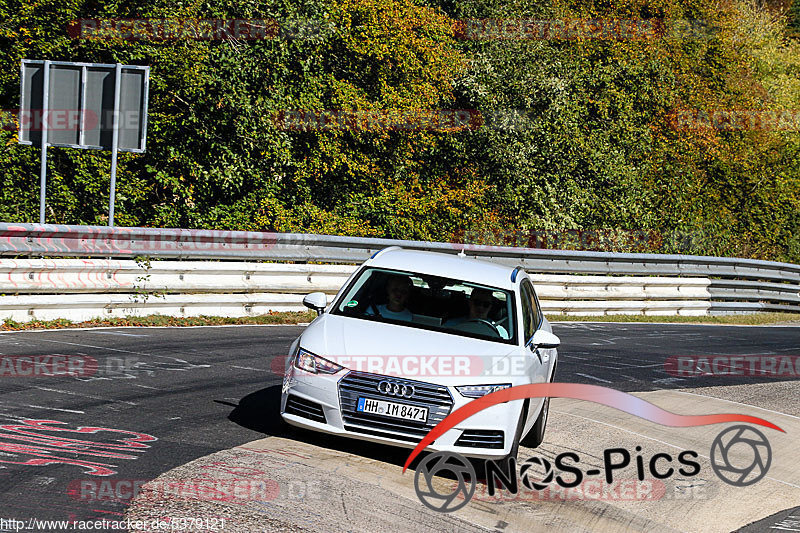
(398, 289)
(480, 303)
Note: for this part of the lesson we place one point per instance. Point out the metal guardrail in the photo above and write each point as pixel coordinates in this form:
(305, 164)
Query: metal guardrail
(81, 289)
(734, 284)
(69, 276)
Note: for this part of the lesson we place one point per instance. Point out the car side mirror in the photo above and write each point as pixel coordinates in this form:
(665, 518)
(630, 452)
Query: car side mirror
(544, 339)
(316, 301)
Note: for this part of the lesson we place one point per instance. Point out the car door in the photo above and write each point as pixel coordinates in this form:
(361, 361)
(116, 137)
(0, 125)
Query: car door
(532, 319)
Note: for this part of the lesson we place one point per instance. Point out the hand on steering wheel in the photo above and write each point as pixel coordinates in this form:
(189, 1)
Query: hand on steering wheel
(492, 325)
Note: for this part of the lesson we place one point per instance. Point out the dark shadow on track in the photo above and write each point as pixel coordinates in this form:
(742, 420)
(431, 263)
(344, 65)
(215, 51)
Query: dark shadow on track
(260, 411)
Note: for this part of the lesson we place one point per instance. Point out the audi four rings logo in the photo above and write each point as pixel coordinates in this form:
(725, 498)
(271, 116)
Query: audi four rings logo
(393, 388)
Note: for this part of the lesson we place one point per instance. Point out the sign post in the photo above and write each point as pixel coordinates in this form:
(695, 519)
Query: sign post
(83, 105)
(43, 164)
(114, 144)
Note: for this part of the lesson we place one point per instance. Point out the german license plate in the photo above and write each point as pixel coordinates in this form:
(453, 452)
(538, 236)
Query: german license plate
(392, 409)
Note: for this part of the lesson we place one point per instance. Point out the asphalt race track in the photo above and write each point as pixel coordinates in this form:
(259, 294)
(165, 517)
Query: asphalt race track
(161, 397)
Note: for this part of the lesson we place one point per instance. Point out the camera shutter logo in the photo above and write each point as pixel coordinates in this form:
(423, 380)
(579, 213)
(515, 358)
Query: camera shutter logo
(392, 388)
(732, 441)
(441, 462)
(525, 473)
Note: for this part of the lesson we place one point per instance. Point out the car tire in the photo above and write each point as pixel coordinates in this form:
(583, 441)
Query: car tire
(517, 436)
(535, 436)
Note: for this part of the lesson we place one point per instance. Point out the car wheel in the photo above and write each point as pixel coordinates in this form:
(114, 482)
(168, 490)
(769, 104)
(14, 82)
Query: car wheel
(520, 426)
(536, 435)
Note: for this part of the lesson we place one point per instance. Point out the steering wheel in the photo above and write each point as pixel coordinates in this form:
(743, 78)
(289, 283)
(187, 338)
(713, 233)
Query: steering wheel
(484, 322)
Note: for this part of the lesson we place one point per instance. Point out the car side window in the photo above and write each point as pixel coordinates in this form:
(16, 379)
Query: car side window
(528, 310)
(537, 311)
(531, 313)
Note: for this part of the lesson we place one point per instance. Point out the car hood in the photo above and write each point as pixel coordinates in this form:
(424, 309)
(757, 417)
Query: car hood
(385, 348)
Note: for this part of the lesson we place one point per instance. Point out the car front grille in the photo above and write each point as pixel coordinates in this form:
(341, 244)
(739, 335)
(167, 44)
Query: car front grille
(296, 405)
(362, 385)
(481, 438)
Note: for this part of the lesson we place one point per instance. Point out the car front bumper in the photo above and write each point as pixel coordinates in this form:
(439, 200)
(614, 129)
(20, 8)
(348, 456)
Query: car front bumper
(326, 403)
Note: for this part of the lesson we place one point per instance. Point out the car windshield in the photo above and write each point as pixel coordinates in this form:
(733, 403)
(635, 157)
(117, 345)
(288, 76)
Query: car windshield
(431, 302)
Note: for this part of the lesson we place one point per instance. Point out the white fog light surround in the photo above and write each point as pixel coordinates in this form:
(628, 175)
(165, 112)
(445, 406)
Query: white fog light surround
(315, 364)
(478, 391)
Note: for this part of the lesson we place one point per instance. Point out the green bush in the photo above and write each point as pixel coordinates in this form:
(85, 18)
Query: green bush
(577, 133)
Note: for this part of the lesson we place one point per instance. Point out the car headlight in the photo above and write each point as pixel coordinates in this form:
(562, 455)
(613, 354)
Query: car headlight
(315, 364)
(477, 391)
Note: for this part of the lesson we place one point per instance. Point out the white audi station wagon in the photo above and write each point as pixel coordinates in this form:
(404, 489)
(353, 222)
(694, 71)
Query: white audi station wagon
(413, 336)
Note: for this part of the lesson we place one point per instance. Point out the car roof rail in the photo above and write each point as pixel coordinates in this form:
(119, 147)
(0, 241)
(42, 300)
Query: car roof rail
(382, 251)
(515, 272)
